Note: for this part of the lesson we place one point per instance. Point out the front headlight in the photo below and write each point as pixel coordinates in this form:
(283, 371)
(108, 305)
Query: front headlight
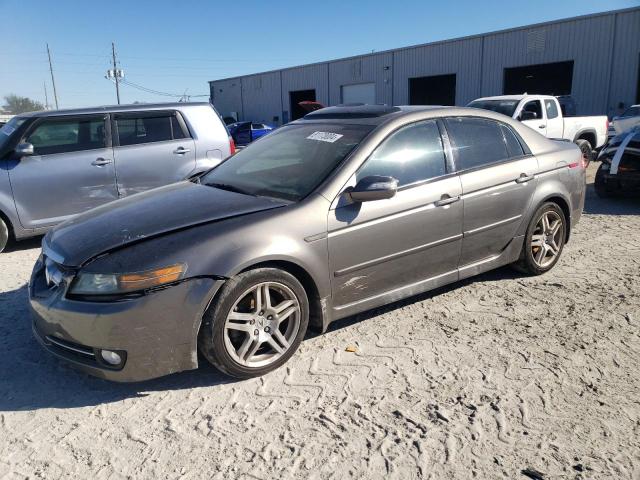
(120, 283)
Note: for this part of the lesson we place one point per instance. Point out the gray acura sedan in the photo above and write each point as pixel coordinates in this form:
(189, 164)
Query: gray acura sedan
(345, 210)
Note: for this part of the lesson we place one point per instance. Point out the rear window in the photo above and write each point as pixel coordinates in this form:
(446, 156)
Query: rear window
(478, 142)
(506, 107)
(148, 128)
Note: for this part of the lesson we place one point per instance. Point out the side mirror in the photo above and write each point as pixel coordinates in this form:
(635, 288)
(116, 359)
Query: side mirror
(374, 187)
(527, 115)
(24, 149)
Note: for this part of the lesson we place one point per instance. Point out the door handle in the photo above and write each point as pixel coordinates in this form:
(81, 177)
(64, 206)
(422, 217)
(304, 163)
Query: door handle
(542, 126)
(99, 162)
(181, 151)
(446, 200)
(524, 178)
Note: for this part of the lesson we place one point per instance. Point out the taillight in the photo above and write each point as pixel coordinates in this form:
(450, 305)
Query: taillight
(607, 125)
(232, 145)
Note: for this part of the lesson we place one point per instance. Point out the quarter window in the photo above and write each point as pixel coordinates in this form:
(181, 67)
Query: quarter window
(412, 154)
(552, 110)
(514, 148)
(134, 130)
(478, 142)
(67, 135)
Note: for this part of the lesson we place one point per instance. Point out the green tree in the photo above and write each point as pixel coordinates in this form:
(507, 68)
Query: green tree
(16, 104)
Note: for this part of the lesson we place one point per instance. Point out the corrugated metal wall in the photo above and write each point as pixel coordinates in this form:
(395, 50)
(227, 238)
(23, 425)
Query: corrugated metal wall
(605, 49)
(261, 97)
(585, 41)
(625, 67)
(460, 57)
(376, 68)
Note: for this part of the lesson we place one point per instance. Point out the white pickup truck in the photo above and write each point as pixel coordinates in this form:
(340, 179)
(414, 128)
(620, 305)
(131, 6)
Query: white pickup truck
(544, 114)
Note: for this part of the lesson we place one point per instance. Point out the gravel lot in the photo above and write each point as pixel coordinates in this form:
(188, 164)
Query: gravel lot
(489, 378)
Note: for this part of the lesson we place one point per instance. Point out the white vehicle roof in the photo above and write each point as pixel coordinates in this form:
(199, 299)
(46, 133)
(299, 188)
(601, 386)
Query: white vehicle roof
(503, 97)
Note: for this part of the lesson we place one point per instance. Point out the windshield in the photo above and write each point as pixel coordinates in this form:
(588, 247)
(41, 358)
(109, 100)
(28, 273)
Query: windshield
(8, 129)
(288, 163)
(506, 107)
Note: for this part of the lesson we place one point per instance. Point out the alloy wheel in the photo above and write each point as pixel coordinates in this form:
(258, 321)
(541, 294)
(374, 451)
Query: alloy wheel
(262, 324)
(547, 237)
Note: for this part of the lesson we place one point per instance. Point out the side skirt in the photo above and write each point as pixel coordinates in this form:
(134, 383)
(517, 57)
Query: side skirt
(509, 255)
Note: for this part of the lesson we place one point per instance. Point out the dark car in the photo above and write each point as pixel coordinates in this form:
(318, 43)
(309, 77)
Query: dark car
(244, 133)
(345, 210)
(619, 172)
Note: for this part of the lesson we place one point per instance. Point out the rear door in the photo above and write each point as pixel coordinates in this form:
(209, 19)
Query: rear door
(379, 246)
(555, 123)
(539, 124)
(71, 170)
(498, 183)
(151, 149)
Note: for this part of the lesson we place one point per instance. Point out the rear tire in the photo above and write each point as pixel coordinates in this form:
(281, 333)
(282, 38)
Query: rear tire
(586, 149)
(4, 234)
(255, 323)
(544, 240)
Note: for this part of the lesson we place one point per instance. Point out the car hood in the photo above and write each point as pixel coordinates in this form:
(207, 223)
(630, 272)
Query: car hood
(146, 215)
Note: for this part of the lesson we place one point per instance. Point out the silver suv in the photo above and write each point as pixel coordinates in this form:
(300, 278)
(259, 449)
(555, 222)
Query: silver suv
(57, 164)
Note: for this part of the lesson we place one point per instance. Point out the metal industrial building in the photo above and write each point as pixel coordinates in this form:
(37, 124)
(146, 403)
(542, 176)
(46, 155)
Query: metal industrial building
(595, 58)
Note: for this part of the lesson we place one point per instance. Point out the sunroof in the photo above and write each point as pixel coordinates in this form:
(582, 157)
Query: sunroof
(360, 111)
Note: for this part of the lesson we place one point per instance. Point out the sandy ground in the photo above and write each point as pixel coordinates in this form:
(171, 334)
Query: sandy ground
(491, 378)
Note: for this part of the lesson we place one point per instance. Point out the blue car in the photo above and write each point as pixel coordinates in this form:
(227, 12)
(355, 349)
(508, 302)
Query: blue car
(244, 133)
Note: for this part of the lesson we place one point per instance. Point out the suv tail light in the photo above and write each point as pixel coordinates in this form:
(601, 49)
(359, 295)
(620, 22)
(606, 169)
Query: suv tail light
(232, 146)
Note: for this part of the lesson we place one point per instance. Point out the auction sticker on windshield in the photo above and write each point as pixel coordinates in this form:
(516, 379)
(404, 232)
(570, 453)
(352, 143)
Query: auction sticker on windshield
(325, 136)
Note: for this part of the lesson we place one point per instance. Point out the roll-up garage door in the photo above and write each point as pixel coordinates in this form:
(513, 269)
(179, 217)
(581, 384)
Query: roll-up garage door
(360, 93)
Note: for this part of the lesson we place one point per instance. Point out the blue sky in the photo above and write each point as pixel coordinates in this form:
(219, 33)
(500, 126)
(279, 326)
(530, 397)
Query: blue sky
(177, 46)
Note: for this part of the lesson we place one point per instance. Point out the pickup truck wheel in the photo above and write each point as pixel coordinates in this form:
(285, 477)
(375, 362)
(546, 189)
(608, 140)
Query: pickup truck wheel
(4, 235)
(255, 324)
(585, 148)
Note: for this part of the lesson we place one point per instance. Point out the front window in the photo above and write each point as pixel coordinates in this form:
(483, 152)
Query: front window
(288, 163)
(412, 154)
(506, 107)
(9, 128)
(65, 135)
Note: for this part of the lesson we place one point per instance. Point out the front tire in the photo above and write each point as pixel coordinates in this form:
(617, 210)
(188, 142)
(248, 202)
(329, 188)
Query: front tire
(544, 240)
(255, 323)
(4, 235)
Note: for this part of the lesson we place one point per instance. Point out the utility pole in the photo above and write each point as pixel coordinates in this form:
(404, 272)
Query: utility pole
(115, 71)
(46, 97)
(53, 80)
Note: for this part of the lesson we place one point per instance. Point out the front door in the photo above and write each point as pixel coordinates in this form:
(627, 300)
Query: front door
(151, 149)
(539, 123)
(71, 170)
(382, 246)
(498, 182)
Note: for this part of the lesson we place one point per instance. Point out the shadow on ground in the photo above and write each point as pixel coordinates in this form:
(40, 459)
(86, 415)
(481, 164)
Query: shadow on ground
(31, 379)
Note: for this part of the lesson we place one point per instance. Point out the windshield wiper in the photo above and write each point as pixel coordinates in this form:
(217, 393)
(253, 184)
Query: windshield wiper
(230, 188)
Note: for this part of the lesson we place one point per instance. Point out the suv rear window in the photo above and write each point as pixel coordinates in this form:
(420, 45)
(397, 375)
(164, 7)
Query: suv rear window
(148, 128)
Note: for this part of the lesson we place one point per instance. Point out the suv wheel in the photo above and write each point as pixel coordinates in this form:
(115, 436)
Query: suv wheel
(255, 324)
(4, 234)
(544, 240)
